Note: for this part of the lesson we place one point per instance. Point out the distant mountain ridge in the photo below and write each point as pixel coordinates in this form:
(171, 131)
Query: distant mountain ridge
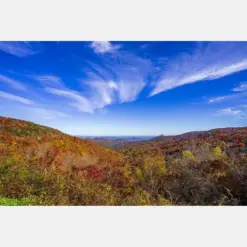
(217, 134)
(119, 142)
(115, 141)
(194, 134)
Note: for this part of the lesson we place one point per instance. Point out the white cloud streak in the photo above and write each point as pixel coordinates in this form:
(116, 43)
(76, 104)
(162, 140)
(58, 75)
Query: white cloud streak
(19, 49)
(241, 88)
(235, 96)
(238, 112)
(12, 83)
(230, 111)
(48, 80)
(209, 62)
(12, 97)
(78, 101)
(220, 99)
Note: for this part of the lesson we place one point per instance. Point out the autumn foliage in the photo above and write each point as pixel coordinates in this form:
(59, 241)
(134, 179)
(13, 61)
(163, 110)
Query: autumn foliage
(43, 166)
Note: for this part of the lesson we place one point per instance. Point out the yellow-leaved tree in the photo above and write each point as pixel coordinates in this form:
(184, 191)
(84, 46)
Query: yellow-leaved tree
(187, 155)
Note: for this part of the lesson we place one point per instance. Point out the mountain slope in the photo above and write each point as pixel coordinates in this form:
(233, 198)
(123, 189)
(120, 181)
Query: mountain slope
(49, 146)
(43, 166)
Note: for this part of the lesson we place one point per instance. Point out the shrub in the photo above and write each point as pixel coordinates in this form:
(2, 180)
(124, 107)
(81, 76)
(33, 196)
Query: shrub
(139, 174)
(27, 201)
(187, 155)
(218, 153)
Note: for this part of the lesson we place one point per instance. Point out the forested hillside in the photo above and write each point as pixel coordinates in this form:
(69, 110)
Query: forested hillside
(43, 166)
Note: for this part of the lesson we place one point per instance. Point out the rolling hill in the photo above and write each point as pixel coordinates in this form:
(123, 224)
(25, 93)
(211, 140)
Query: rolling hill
(51, 146)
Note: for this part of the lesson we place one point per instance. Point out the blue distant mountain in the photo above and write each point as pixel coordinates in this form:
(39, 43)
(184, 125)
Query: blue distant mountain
(127, 138)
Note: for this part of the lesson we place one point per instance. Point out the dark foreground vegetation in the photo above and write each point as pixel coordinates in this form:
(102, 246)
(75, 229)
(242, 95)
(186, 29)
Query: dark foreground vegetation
(43, 166)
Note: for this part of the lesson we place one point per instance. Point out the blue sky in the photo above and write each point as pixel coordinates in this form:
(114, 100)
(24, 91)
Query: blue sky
(125, 88)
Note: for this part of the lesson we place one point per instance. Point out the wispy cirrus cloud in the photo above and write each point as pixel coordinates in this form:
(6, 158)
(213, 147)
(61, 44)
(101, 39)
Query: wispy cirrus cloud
(240, 92)
(229, 97)
(230, 111)
(78, 101)
(102, 93)
(207, 62)
(241, 87)
(104, 47)
(117, 79)
(131, 73)
(48, 80)
(238, 112)
(221, 98)
(129, 91)
(12, 97)
(19, 49)
(12, 83)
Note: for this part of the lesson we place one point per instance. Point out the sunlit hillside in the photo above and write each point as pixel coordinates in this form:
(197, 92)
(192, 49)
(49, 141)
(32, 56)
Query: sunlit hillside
(43, 166)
